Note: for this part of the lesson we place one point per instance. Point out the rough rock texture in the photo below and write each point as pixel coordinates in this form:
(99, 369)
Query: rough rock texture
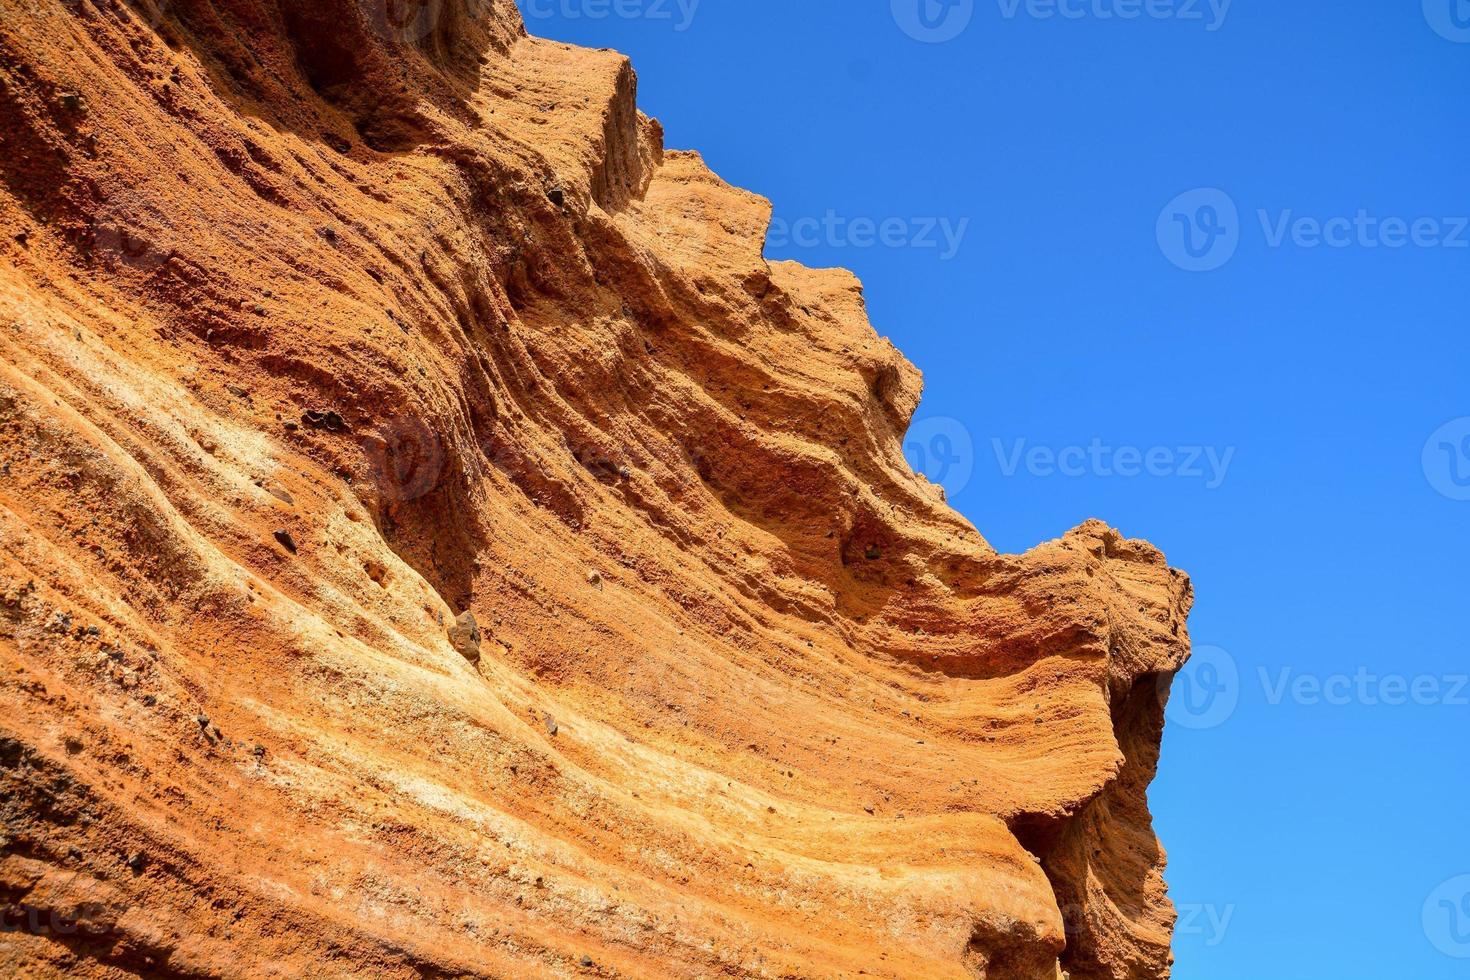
(322, 324)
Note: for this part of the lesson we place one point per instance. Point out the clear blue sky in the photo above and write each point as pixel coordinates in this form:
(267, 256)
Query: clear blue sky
(1080, 352)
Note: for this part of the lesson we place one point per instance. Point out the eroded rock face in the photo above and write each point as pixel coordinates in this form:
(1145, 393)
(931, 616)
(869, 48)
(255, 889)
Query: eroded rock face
(428, 299)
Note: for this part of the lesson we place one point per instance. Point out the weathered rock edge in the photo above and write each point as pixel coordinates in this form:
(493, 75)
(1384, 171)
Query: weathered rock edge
(322, 325)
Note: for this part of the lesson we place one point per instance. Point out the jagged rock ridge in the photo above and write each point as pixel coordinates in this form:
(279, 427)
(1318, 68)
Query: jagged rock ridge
(323, 325)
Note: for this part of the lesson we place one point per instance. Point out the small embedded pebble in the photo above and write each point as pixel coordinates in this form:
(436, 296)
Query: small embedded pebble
(551, 726)
(286, 541)
(465, 636)
(331, 421)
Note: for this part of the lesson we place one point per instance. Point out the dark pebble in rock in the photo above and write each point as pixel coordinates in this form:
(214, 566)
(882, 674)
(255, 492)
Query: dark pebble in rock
(464, 636)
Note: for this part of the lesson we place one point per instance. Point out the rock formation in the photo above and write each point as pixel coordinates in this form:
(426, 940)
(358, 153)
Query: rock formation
(323, 324)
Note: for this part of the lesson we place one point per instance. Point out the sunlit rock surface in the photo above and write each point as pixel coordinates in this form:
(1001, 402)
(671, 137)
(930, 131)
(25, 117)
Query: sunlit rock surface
(320, 328)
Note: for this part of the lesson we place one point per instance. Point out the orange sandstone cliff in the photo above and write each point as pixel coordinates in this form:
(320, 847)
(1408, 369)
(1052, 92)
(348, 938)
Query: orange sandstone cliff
(323, 325)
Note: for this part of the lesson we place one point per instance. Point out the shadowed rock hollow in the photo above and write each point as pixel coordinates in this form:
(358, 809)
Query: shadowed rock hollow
(323, 325)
